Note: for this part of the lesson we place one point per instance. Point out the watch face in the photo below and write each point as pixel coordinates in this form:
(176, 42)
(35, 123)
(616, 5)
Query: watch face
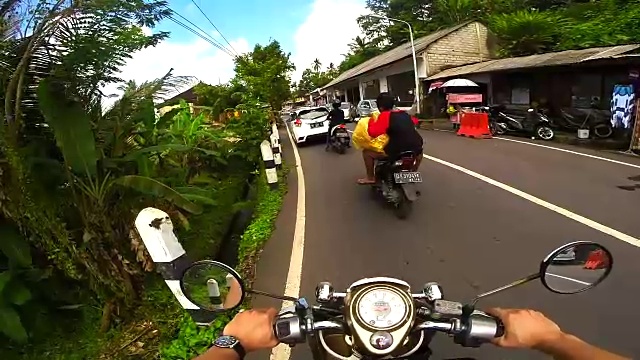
(225, 341)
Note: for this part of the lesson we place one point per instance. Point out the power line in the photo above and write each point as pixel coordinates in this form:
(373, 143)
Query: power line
(202, 37)
(214, 26)
(203, 32)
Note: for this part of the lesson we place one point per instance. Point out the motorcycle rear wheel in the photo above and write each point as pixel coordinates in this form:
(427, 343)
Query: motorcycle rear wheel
(603, 130)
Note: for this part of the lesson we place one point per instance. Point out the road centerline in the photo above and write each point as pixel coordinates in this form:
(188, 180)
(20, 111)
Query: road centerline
(570, 152)
(568, 278)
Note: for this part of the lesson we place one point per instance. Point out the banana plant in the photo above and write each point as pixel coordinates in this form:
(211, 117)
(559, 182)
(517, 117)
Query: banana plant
(82, 155)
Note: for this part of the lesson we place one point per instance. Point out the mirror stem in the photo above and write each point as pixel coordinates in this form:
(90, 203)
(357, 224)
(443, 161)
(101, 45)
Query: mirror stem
(506, 287)
(279, 297)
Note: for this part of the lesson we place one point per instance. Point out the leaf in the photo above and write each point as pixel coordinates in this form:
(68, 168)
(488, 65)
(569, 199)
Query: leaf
(157, 148)
(5, 277)
(153, 187)
(14, 246)
(11, 324)
(200, 199)
(71, 126)
(17, 293)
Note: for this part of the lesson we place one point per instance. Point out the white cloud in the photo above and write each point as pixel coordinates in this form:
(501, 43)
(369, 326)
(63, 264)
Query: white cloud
(195, 57)
(326, 33)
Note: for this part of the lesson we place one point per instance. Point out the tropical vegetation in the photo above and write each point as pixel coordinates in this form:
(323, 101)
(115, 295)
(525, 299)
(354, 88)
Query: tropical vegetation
(523, 27)
(74, 275)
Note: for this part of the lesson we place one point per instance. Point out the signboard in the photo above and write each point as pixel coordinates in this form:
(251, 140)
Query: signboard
(635, 136)
(435, 85)
(464, 98)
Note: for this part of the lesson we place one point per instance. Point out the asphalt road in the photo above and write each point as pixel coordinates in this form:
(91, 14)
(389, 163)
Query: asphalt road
(469, 235)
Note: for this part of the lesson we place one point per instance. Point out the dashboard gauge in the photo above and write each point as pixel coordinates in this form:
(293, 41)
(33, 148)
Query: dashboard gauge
(381, 308)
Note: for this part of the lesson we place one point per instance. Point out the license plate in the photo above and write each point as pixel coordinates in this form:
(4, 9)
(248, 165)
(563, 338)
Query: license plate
(342, 135)
(407, 177)
(316, 125)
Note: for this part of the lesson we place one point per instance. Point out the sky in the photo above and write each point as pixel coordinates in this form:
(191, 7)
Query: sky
(308, 29)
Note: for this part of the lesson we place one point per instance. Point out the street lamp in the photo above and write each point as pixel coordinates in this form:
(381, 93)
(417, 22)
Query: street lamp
(413, 52)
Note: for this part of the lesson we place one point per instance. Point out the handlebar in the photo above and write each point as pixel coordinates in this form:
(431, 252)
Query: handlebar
(471, 331)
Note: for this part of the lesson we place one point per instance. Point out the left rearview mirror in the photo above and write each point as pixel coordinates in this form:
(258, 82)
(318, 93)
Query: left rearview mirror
(212, 286)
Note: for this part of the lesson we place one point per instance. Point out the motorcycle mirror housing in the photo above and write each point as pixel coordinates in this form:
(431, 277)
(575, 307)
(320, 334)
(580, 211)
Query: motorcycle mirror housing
(212, 286)
(576, 267)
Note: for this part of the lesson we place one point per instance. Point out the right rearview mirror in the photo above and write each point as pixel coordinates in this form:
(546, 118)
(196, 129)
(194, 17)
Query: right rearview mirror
(575, 267)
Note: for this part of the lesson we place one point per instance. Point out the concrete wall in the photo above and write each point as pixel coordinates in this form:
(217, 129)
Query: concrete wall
(469, 44)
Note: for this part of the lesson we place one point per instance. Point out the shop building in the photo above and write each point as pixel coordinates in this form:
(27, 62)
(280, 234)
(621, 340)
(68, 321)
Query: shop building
(393, 71)
(567, 79)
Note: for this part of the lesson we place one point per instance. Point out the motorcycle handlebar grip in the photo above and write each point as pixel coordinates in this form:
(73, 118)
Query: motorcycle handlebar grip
(288, 330)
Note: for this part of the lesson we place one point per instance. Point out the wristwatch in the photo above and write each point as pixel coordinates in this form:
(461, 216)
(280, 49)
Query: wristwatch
(230, 342)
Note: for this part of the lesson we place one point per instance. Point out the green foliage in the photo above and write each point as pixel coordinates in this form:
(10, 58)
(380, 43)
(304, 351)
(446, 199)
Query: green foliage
(268, 207)
(219, 98)
(192, 340)
(314, 77)
(528, 32)
(74, 174)
(524, 26)
(265, 75)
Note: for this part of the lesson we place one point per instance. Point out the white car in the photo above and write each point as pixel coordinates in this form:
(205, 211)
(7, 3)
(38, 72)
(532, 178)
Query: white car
(311, 122)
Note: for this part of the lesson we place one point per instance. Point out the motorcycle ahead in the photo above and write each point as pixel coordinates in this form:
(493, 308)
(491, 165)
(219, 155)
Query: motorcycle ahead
(381, 317)
(396, 181)
(339, 140)
(533, 123)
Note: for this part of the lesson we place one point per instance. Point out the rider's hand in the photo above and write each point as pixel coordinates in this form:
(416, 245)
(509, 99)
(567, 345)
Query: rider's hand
(525, 329)
(254, 329)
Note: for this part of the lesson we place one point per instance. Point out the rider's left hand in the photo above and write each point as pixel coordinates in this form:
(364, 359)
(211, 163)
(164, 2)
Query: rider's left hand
(254, 329)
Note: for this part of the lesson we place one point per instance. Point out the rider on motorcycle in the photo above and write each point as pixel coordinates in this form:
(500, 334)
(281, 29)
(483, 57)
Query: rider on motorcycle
(401, 129)
(524, 329)
(335, 117)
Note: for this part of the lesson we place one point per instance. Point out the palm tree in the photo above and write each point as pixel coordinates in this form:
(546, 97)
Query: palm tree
(358, 45)
(317, 65)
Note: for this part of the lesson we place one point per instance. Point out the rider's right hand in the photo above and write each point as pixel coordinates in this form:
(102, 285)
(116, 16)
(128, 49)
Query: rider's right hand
(525, 329)
(253, 329)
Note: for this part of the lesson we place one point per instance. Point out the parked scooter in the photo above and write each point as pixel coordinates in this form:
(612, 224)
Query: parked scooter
(533, 123)
(595, 120)
(339, 140)
(396, 182)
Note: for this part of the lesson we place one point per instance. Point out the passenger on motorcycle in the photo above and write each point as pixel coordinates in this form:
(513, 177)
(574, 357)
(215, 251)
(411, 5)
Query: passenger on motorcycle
(524, 329)
(401, 129)
(335, 117)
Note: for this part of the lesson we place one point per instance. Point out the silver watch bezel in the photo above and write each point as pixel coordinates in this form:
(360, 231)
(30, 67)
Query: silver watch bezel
(223, 346)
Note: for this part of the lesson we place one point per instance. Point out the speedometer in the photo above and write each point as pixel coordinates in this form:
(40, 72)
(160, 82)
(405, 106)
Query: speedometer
(381, 308)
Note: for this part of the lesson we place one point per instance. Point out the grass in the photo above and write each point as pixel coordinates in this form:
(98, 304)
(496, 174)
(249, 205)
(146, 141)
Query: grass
(192, 340)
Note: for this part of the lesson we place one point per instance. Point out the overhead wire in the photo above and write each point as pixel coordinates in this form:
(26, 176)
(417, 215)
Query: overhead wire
(204, 32)
(203, 37)
(214, 26)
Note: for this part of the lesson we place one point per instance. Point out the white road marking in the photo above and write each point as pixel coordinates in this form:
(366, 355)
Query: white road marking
(571, 215)
(294, 276)
(570, 279)
(571, 152)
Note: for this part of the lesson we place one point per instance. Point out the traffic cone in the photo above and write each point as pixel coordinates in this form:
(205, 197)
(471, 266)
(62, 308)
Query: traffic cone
(597, 260)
